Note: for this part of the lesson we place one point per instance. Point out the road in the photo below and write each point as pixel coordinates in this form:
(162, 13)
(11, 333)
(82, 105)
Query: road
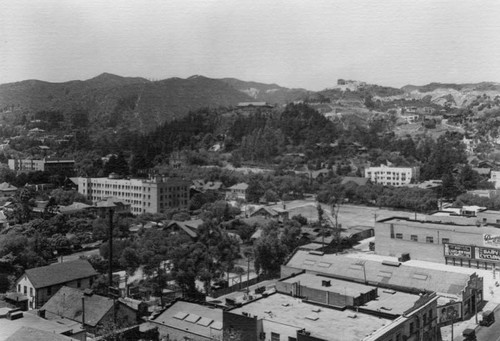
(491, 333)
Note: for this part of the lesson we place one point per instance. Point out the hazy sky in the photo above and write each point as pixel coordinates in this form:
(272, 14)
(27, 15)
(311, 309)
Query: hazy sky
(294, 43)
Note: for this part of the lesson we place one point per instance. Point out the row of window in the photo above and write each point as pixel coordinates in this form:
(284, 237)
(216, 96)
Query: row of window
(136, 188)
(428, 239)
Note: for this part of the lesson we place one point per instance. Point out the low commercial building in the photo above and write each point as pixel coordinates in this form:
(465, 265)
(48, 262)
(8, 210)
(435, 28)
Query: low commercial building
(154, 195)
(40, 284)
(449, 286)
(469, 241)
(392, 176)
(316, 308)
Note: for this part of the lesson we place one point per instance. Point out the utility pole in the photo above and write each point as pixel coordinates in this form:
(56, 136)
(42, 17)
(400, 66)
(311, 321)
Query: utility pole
(475, 298)
(110, 245)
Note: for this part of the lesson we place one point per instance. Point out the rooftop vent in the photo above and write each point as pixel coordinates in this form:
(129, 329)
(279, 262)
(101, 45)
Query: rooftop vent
(391, 263)
(317, 253)
(326, 283)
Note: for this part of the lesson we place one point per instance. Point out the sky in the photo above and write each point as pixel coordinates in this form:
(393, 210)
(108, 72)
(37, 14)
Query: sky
(294, 43)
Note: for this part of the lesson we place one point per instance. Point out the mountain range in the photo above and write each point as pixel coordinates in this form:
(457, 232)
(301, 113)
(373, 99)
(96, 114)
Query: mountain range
(139, 103)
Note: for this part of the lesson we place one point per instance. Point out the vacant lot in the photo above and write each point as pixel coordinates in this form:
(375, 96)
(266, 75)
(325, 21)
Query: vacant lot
(349, 215)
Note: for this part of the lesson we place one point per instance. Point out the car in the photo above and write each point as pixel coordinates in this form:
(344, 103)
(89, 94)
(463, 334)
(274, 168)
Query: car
(469, 334)
(488, 318)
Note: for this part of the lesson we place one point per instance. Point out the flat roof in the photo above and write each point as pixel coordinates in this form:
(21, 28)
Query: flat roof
(388, 301)
(9, 327)
(444, 222)
(442, 282)
(192, 318)
(392, 302)
(285, 312)
(351, 289)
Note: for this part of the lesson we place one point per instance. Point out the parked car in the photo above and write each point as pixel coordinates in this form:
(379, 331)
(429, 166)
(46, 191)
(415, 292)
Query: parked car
(488, 318)
(469, 334)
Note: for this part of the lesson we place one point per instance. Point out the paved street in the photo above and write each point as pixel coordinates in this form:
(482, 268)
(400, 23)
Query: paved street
(492, 332)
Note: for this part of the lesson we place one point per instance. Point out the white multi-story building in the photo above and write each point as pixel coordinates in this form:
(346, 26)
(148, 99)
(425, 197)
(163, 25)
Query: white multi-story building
(392, 176)
(154, 195)
(43, 165)
(495, 178)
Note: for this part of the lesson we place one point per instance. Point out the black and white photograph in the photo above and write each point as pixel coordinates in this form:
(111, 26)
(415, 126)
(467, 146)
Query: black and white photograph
(249, 170)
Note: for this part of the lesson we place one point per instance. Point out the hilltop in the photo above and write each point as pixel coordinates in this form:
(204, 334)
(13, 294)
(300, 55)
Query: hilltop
(134, 102)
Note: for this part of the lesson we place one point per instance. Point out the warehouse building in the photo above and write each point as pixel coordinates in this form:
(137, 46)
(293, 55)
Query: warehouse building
(308, 307)
(471, 240)
(449, 286)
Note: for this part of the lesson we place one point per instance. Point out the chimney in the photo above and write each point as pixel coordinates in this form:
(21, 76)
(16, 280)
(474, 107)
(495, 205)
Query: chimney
(41, 313)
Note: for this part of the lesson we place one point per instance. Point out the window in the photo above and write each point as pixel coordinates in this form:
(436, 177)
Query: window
(430, 316)
(399, 236)
(414, 238)
(425, 319)
(25, 290)
(275, 337)
(291, 338)
(445, 240)
(19, 288)
(429, 240)
(31, 292)
(411, 328)
(398, 337)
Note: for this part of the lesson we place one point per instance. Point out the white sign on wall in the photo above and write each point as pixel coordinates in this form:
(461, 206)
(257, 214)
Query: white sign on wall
(491, 240)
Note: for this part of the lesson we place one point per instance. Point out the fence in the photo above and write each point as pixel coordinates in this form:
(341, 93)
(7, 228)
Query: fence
(239, 286)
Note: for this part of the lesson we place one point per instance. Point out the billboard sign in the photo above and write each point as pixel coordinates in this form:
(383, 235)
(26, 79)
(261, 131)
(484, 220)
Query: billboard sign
(487, 253)
(456, 250)
(491, 240)
(449, 313)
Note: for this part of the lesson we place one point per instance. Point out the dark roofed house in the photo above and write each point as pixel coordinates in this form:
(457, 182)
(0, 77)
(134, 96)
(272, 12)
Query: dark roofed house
(271, 213)
(75, 207)
(237, 192)
(7, 190)
(482, 171)
(40, 284)
(118, 205)
(190, 227)
(67, 303)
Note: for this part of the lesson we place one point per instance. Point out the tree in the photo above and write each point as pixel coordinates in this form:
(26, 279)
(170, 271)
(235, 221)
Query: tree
(130, 259)
(449, 186)
(50, 209)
